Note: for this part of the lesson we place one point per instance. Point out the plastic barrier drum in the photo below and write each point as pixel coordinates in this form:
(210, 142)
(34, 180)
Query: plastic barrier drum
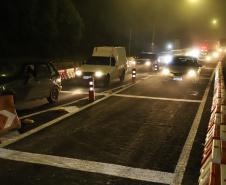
(8, 116)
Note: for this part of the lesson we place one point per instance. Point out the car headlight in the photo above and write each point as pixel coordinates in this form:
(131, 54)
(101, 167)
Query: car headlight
(133, 62)
(98, 74)
(78, 73)
(148, 63)
(191, 73)
(165, 71)
(208, 58)
(167, 59)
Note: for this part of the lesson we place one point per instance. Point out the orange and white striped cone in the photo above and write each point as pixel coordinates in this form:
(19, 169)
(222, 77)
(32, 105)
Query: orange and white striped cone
(8, 116)
(91, 89)
(133, 75)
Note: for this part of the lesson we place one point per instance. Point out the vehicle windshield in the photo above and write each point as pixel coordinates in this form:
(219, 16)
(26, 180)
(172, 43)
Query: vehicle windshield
(180, 61)
(99, 61)
(147, 56)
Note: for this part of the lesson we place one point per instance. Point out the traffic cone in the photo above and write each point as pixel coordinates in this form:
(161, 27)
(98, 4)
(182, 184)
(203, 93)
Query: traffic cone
(8, 116)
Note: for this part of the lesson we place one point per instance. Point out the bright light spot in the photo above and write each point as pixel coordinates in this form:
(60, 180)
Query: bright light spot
(3, 75)
(169, 46)
(167, 59)
(191, 73)
(215, 54)
(193, 1)
(195, 53)
(208, 58)
(148, 63)
(78, 73)
(91, 83)
(91, 88)
(98, 74)
(165, 71)
(133, 62)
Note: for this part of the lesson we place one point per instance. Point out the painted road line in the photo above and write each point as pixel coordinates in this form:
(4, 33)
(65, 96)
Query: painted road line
(183, 160)
(157, 98)
(54, 108)
(89, 166)
(12, 140)
(71, 92)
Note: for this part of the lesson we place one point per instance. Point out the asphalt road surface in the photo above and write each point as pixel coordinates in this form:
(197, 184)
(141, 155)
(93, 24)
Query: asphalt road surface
(145, 133)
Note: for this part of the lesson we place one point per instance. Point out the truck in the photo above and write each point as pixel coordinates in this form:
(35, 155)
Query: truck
(105, 64)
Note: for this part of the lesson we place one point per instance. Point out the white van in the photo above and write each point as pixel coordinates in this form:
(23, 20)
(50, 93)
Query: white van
(105, 64)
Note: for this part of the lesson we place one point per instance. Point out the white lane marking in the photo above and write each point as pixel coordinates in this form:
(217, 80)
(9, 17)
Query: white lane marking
(54, 108)
(156, 98)
(89, 166)
(12, 140)
(183, 160)
(71, 92)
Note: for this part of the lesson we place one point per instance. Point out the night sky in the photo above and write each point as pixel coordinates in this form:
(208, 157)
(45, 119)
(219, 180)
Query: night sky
(71, 28)
(187, 20)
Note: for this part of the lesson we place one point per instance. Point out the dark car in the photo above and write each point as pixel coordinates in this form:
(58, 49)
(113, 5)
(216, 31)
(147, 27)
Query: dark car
(183, 69)
(30, 80)
(146, 60)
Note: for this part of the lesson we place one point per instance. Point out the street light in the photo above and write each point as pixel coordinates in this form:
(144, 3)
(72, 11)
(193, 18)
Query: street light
(193, 1)
(214, 21)
(169, 46)
(153, 33)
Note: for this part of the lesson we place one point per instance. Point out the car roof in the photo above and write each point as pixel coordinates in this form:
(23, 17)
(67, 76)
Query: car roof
(184, 56)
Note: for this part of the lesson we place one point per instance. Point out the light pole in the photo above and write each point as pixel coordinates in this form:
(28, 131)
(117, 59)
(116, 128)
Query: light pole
(154, 26)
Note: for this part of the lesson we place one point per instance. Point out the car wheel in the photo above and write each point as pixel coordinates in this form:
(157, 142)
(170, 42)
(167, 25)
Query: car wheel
(122, 77)
(54, 94)
(107, 80)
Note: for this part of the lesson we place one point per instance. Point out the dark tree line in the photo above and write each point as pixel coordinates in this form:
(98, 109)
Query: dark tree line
(39, 29)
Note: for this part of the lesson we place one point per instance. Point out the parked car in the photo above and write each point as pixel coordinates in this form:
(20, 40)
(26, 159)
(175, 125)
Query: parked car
(105, 64)
(146, 60)
(29, 80)
(183, 69)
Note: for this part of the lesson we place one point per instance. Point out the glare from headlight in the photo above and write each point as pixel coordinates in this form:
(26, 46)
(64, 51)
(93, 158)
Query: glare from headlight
(98, 74)
(78, 73)
(133, 62)
(215, 54)
(167, 59)
(191, 73)
(148, 63)
(165, 71)
(208, 58)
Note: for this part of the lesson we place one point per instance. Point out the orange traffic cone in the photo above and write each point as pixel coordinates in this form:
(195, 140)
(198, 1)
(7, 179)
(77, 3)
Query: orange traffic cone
(8, 116)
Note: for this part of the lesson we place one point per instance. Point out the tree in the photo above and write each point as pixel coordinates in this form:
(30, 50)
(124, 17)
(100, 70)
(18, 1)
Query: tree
(39, 28)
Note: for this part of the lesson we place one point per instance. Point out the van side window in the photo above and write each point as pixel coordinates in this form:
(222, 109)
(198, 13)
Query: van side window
(42, 70)
(113, 61)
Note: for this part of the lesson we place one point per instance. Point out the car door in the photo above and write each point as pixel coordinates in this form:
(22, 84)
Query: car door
(27, 83)
(43, 80)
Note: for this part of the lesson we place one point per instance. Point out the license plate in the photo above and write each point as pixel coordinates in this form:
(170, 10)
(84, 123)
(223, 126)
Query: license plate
(87, 77)
(177, 78)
